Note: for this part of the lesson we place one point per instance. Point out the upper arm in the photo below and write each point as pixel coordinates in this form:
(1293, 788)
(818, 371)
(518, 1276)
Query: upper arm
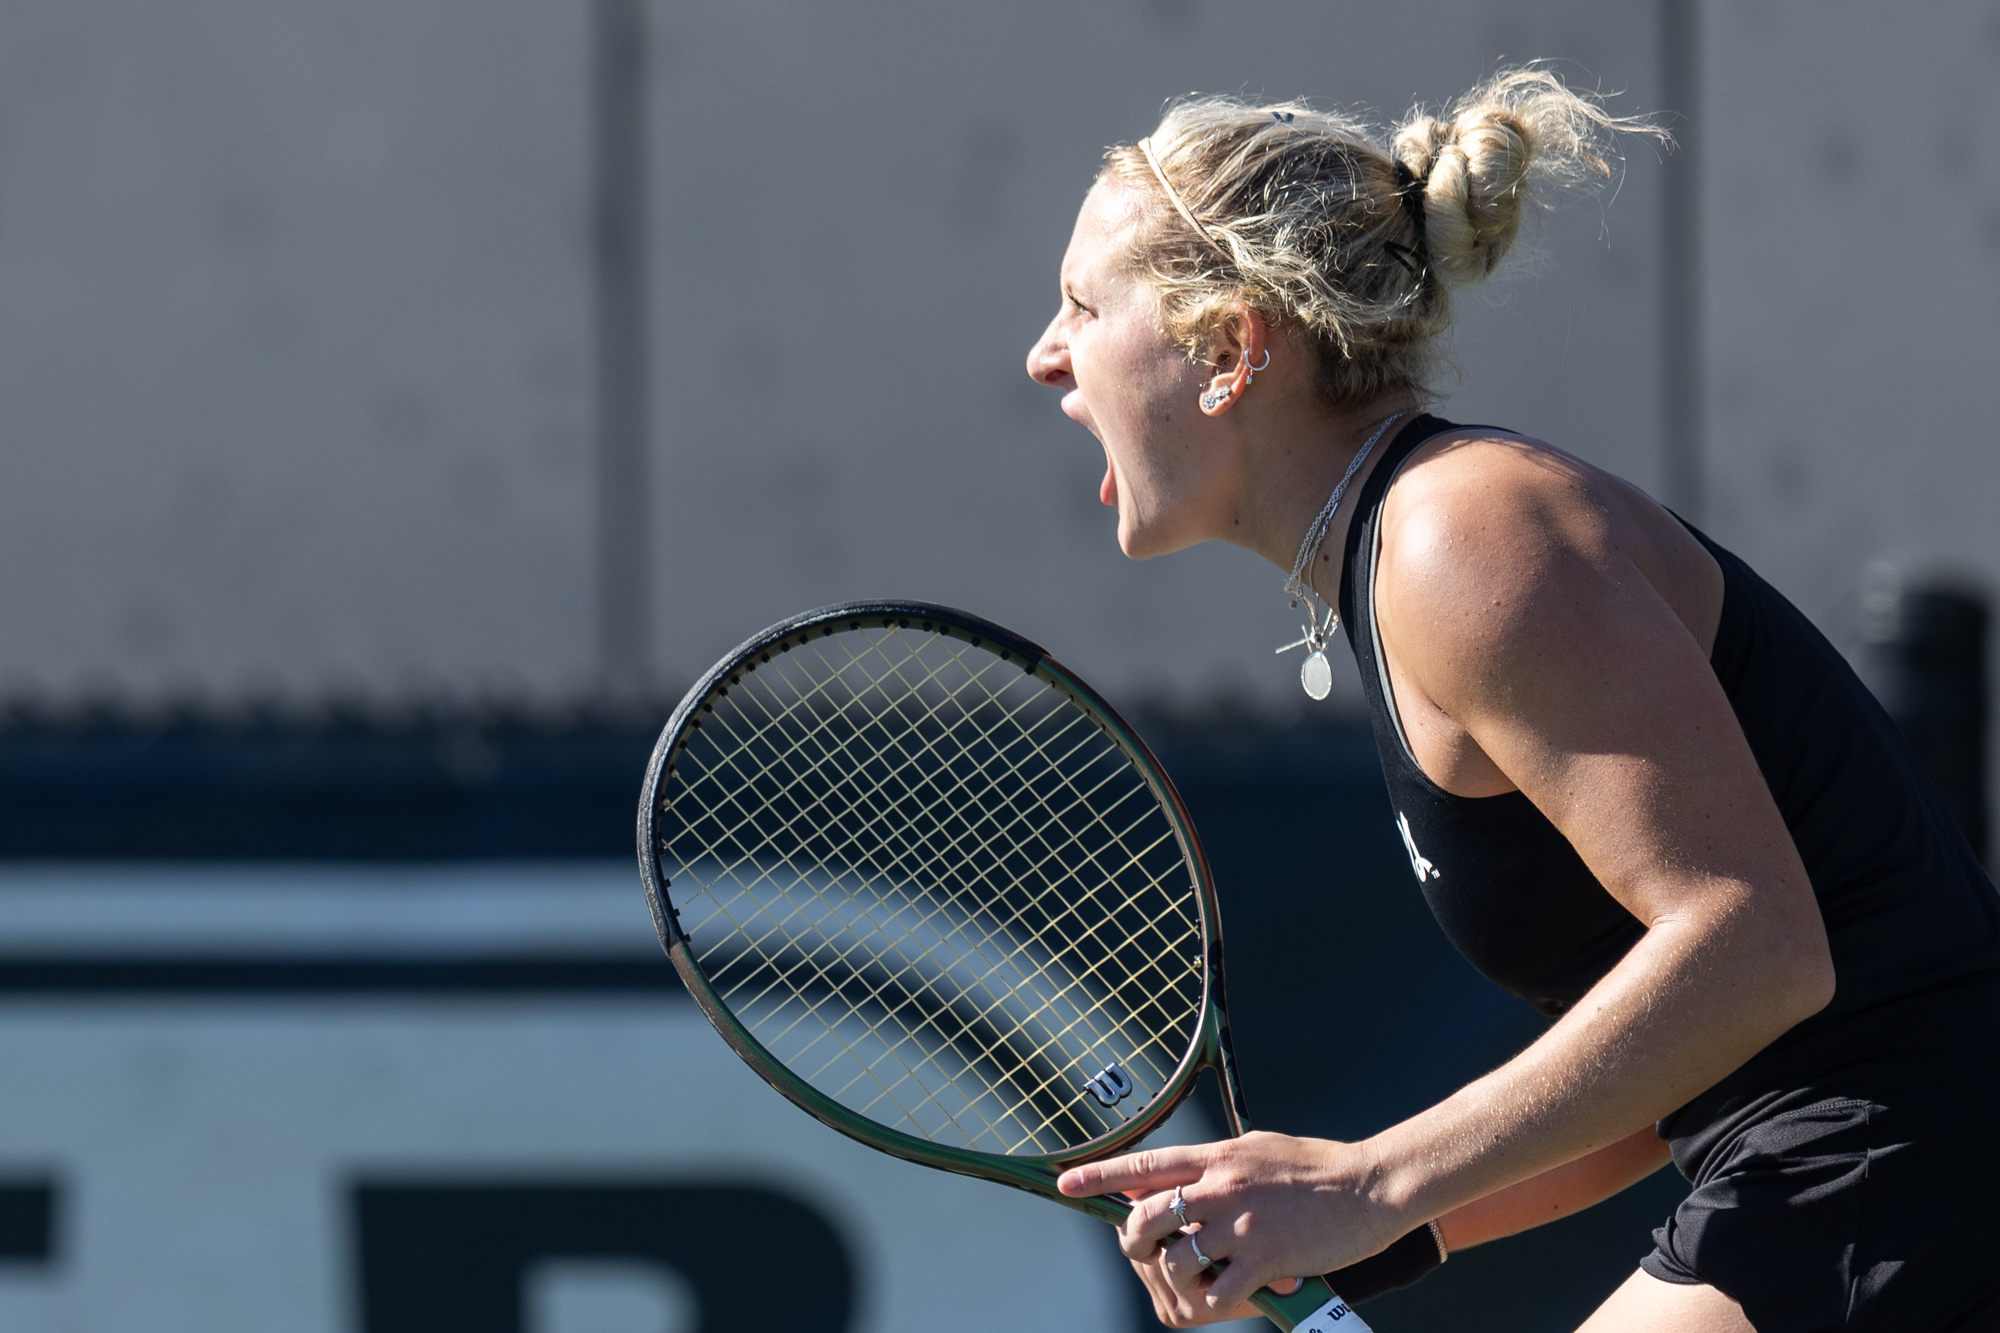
(1511, 593)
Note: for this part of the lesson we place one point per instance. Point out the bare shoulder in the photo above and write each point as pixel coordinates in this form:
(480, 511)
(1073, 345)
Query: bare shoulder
(1488, 536)
(1483, 488)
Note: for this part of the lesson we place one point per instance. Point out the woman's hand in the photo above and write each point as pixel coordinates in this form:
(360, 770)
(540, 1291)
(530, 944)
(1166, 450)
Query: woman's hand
(1180, 1297)
(1276, 1207)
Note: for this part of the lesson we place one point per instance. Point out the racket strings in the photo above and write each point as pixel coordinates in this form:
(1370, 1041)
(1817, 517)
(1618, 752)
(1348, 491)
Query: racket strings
(959, 849)
(1117, 837)
(1070, 723)
(901, 862)
(932, 887)
(1040, 931)
(1070, 1026)
(1115, 831)
(877, 991)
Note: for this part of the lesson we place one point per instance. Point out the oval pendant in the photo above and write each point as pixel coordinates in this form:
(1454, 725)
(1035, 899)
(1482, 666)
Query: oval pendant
(1316, 674)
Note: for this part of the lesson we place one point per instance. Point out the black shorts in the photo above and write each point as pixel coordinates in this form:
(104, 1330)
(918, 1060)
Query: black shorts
(1849, 1213)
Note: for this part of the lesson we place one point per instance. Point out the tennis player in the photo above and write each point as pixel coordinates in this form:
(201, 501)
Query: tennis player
(1640, 790)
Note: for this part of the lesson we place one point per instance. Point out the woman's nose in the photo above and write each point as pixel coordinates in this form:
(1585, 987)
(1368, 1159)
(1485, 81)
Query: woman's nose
(1048, 359)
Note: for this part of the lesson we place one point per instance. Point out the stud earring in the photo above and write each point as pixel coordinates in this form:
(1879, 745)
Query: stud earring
(1211, 401)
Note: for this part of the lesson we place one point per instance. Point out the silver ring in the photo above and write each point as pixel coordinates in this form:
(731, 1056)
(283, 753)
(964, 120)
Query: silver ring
(1206, 1262)
(1179, 1205)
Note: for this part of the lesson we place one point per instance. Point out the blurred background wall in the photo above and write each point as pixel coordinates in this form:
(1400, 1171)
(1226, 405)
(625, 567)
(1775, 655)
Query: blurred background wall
(401, 402)
(316, 333)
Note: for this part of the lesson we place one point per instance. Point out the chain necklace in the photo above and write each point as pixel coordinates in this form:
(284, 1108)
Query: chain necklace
(1316, 673)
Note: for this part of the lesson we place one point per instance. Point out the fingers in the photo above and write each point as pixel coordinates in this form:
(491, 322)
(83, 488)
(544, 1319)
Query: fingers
(1153, 1169)
(1168, 1303)
(1151, 1223)
(1177, 1282)
(1182, 1288)
(1224, 1283)
(1237, 1283)
(1170, 1306)
(1180, 1262)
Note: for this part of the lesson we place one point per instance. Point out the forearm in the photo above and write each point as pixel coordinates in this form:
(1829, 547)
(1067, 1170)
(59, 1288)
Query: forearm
(1557, 1193)
(1687, 1005)
(1567, 1189)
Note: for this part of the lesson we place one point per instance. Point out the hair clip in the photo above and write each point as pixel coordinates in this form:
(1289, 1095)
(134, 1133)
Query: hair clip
(1282, 117)
(1405, 256)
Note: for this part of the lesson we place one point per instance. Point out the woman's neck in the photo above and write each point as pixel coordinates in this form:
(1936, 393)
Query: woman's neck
(1292, 470)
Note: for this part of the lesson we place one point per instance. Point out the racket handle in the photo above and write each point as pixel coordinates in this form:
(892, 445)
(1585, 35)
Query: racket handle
(1313, 1308)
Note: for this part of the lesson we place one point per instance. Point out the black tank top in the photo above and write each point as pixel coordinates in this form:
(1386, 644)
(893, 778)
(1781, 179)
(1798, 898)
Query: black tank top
(1907, 907)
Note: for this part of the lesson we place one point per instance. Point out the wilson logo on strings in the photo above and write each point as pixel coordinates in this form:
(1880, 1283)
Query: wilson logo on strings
(1110, 1087)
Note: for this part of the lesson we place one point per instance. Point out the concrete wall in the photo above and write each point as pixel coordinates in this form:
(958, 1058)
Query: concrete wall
(295, 347)
(1851, 221)
(296, 341)
(297, 344)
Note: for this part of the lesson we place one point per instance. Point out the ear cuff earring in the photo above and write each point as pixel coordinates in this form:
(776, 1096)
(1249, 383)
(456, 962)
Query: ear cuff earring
(1211, 401)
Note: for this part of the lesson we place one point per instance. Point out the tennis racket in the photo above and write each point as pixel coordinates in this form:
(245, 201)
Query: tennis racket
(934, 890)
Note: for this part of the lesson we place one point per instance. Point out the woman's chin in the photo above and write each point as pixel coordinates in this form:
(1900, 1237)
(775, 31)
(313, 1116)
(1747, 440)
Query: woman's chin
(1143, 543)
(1130, 539)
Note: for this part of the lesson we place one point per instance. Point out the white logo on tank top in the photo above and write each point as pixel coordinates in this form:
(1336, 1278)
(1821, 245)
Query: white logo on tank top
(1418, 862)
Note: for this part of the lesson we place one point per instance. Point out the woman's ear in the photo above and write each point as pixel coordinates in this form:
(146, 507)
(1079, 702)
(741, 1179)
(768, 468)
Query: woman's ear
(1236, 351)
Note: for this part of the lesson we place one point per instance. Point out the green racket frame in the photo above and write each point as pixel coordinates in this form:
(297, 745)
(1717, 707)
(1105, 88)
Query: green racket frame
(1036, 1174)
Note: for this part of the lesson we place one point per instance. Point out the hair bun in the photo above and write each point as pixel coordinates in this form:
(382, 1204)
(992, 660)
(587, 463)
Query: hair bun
(1493, 155)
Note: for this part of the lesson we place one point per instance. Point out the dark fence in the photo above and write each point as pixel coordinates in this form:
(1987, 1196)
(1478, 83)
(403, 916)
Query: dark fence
(334, 785)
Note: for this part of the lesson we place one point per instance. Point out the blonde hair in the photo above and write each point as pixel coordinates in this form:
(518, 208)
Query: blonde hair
(1315, 221)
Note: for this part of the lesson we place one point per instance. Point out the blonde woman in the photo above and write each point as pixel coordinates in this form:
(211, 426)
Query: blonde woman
(1641, 791)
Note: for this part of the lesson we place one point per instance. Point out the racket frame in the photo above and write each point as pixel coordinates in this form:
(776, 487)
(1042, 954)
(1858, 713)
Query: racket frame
(1314, 1302)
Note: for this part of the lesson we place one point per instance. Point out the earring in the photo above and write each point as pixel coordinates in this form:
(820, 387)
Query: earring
(1211, 401)
(1251, 378)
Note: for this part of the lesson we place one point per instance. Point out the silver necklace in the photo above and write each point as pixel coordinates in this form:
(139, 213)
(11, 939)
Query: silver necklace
(1316, 673)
